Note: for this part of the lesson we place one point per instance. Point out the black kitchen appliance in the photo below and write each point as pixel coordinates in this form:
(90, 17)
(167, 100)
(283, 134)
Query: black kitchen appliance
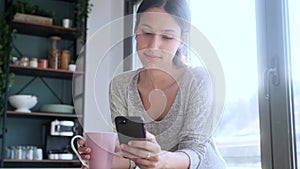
(58, 135)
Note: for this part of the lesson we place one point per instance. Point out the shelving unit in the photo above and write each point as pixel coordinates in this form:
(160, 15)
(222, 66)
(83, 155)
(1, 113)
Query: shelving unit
(42, 114)
(44, 30)
(39, 118)
(41, 163)
(55, 73)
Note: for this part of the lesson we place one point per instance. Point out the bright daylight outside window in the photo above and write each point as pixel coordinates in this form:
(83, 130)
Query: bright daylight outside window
(294, 16)
(230, 27)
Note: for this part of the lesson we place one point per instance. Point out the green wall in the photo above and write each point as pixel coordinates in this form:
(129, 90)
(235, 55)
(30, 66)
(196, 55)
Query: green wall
(29, 131)
(1, 8)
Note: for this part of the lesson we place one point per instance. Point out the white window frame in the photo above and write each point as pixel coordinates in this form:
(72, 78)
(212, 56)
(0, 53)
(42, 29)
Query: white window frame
(275, 91)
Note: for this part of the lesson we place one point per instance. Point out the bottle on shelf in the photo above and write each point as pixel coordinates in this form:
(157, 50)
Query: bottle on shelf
(54, 53)
(43, 63)
(65, 59)
(33, 62)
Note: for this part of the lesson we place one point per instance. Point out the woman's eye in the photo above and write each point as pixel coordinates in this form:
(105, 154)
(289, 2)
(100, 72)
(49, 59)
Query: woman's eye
(147, 33)
(167, 37)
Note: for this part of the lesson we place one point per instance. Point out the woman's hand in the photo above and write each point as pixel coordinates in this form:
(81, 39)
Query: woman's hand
(145, 154)
(84, 151)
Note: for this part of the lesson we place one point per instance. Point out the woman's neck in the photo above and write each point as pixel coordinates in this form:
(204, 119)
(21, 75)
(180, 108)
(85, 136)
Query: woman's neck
(161, 79)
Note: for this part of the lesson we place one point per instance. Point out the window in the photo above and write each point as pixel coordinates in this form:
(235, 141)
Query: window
(256, 42)
(230, 27)
(294, 16)
(275, 90)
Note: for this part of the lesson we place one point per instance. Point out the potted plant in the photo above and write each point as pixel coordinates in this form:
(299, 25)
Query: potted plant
(29, 12)
(82, 10)
(6, 40)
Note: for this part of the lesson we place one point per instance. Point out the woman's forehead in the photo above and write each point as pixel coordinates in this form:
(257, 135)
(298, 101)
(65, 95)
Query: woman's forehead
(158, 19)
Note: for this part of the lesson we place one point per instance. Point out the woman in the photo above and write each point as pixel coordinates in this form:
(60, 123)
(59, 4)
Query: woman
(175, 100)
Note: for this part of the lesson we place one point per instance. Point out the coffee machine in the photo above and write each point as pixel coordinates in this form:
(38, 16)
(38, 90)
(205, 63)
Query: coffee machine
(58, 137)
(62, 128)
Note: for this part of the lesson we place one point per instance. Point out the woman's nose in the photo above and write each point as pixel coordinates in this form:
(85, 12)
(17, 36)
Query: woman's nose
(155, 42)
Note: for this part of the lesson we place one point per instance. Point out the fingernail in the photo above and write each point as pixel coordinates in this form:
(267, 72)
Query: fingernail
(129, 143)
(88, 150)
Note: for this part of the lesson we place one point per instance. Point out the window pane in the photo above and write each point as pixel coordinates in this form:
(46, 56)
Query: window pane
(294, 16)
(230, 28)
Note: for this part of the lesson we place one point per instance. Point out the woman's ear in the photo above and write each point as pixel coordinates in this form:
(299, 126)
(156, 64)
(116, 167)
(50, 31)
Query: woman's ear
(136, 27)
(183, 40)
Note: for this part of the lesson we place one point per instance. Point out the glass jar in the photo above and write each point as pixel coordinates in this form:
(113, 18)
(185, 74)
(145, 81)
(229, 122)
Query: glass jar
(54, 53)
(33, 62)
(43, 63)
(12, 150)
(65, 59)
(15, 61)
(18, 153)
(24, 61)
(38, 154)
(29, 152)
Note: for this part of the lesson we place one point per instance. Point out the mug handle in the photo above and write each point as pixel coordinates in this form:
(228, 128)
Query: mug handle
(83, 162)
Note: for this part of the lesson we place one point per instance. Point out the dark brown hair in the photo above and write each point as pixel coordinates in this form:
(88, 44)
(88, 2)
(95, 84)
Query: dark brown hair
(179, 10)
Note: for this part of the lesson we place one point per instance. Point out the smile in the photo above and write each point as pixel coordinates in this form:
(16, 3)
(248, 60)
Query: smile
(152, 57)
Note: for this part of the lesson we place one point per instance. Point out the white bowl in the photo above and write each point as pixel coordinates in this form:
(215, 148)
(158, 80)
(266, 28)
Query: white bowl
(22, 103)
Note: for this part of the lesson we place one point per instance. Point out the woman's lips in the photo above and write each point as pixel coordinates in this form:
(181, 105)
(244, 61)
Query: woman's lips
(152, 57)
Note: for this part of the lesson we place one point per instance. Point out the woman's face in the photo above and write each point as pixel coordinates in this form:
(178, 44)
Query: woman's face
(158, 38)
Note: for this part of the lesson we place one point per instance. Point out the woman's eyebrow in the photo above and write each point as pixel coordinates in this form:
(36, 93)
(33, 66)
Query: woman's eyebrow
(169, 31)
(166, 30)
(146, 25)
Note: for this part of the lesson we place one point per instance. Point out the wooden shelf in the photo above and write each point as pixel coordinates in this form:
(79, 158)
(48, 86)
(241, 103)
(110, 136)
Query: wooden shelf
(44, 30)
(72, 1)
(41, 161)
(54, 73)
(42, 114)
(46, 163)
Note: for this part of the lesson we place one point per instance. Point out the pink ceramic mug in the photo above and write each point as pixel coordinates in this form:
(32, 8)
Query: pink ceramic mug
(103, 147)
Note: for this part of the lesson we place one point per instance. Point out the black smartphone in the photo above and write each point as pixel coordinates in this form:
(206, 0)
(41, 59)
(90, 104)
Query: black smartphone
(130, 128)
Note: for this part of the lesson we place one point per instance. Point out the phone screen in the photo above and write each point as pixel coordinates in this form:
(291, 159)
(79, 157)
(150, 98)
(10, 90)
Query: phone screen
(130, 128)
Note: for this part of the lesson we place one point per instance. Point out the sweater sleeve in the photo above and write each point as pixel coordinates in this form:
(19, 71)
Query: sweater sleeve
(198, 124)
(117, 101)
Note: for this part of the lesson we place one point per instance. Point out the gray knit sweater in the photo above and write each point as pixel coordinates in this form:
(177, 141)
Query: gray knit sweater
(190, 122)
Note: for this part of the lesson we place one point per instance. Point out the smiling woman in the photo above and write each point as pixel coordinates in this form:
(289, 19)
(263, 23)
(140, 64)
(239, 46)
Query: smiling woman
(157, 44)
(175, 100)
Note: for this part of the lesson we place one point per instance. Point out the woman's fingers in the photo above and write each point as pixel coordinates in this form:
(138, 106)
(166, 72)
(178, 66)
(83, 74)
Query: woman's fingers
(152, 162)
(83, 150)
(128, 154)
(139, 151)
(150, 137)
(151, 147)
(80, 142)
(117, 148)
(132, 152)
(146, 154)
